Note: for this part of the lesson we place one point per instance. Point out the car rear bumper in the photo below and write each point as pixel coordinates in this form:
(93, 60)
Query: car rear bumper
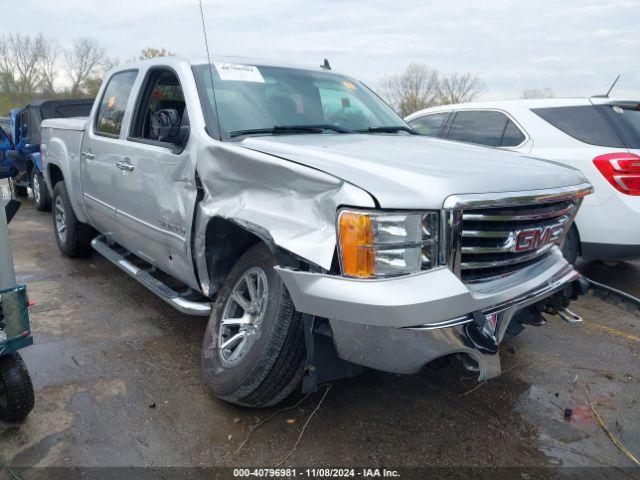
(399, 325)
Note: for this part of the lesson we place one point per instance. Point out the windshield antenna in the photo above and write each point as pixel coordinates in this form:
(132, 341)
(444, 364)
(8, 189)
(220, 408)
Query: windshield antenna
(206, 44)
(606, 95)
(326, 65)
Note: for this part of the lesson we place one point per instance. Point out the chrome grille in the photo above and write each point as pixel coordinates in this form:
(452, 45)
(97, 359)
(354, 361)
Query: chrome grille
(497, 241)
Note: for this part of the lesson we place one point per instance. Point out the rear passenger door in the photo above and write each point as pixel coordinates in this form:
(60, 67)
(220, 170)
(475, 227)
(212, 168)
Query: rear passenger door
(103, 147)
(491, 128)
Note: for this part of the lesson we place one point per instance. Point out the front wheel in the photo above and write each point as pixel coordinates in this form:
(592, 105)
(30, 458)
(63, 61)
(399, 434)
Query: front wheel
(72, 236)
(253, 353)
(16, 389)
(40, 192)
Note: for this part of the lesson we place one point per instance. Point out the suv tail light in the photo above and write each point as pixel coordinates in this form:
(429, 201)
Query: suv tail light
(622, 170)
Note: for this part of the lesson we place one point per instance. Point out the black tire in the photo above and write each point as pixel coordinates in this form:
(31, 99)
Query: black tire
(273, 365)
(571, 247)
(17, 191)
(16, 389)
(76, 242)
(40, 191)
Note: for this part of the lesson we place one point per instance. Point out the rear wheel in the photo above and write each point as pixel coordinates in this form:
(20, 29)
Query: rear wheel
(16, 389)
(40, 193)
(17, 191)
(72, 236)
(253, 353)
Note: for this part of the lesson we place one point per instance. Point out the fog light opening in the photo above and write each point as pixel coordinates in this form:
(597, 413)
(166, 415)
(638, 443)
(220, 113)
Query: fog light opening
(440, 362)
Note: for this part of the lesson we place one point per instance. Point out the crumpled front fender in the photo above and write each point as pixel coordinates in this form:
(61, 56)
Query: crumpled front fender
(291, 205)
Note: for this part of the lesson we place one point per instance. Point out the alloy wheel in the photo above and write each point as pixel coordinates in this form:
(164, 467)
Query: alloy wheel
(36, 188)
(61, 220)
(242, 316)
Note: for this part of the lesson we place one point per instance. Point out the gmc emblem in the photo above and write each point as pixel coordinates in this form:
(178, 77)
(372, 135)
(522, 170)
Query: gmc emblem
(535, 238)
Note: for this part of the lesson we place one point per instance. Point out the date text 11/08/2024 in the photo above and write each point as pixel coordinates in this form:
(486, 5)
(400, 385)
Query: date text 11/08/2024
(316, 472)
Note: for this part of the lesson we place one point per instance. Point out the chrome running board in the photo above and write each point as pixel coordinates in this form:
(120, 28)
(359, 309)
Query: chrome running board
(189, 301)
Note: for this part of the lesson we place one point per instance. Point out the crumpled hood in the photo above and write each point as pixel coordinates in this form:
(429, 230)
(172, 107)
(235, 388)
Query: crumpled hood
(410, 171)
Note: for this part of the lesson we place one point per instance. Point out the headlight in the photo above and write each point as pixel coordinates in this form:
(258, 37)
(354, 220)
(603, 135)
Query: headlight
(383, 244)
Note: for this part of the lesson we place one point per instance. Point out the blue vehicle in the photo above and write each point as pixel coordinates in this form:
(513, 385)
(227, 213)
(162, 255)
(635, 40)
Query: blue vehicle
(16, 389)
(26, 143)
(6, 141)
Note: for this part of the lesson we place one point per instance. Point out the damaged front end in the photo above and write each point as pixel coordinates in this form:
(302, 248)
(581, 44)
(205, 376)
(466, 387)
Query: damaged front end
(500, 269)
(394, 289)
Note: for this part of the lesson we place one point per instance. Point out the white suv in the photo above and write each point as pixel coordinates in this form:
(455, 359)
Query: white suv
(599, 136)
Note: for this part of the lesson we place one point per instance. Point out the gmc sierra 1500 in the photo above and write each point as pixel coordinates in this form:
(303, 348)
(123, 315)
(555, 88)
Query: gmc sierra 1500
(317, 230)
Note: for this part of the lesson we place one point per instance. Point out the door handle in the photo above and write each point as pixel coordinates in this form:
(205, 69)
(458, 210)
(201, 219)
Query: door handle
(88, 155)
(124, 165)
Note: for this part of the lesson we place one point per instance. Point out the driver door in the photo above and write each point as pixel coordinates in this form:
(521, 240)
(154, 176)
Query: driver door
(156, 181)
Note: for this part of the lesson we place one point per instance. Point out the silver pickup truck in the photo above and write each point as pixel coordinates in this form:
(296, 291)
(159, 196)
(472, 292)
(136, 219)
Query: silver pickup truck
(318, 232)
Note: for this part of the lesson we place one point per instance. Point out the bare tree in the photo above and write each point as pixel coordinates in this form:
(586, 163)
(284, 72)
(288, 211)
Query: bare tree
(82, 61)
(20, 62)
(421, 87)
(91, 85)
(537, 93)
(48, 67)
(412, 90)
(151, 52)
(458, 88)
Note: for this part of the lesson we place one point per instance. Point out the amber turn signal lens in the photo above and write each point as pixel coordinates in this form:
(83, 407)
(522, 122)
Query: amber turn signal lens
(356, 245)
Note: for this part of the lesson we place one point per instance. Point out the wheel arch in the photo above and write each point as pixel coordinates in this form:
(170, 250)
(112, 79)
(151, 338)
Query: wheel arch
(226, 240)
(54, 175)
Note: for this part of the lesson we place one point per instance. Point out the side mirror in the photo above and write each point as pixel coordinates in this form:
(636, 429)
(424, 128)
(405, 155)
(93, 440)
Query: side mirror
(8, 164)
(13, 156)
(5, 167)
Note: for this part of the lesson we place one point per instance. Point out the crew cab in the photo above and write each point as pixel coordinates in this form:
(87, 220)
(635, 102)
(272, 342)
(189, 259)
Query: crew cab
(318, 232)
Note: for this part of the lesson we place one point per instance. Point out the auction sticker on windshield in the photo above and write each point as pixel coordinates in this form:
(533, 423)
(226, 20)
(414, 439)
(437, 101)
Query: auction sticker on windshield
(237, 72)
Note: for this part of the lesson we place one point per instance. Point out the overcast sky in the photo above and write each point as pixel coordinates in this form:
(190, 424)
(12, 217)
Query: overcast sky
(573, 47)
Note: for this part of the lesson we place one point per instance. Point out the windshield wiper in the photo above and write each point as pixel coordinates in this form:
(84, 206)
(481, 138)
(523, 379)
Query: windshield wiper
(389, 129)
(318, 128)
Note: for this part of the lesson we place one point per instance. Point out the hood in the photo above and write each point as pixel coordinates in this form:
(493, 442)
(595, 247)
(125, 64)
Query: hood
(410, 171)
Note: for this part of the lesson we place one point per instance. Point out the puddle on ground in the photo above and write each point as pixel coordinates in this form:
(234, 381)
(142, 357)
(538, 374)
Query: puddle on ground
(567, 432)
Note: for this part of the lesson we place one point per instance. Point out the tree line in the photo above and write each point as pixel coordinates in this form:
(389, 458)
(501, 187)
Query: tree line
(31, 67)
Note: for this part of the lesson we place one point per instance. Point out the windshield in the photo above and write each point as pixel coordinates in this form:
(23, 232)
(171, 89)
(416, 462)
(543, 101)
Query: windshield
(256, 97)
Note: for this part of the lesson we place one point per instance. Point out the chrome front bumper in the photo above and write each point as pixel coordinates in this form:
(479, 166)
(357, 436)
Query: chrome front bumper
(399, 325)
